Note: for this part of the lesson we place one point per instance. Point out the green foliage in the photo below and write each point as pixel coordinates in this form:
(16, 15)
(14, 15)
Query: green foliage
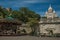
(23, 14)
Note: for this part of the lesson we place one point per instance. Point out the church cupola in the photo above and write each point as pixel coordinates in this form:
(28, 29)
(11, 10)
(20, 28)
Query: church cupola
(45, 13)
(50, 14)
(50, 9)
(53, 11)
(55, 14)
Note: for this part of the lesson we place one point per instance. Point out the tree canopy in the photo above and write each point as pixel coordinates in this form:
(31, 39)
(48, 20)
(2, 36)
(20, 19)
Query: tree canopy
(23, 14)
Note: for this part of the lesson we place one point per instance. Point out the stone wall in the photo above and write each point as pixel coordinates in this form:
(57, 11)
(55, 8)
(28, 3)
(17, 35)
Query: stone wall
(27, 29)
(44, 28)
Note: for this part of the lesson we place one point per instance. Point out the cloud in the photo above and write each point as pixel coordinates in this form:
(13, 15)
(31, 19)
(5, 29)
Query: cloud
(17, 3)
(27, 2)
(35, 1)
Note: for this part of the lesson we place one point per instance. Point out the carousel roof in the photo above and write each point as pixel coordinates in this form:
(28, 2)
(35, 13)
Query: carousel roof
(8, 21)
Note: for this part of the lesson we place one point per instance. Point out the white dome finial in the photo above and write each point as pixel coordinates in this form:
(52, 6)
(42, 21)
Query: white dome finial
(50, 7)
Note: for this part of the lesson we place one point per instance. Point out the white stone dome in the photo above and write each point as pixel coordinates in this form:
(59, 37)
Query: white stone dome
(46, 12)
(50, 7)
(53, 11)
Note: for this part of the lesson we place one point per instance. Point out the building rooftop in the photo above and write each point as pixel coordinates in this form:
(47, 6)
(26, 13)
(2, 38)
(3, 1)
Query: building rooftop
(6, 21)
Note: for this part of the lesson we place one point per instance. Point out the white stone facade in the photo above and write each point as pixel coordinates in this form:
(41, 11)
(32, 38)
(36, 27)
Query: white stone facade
(50, 22)
(54, 27)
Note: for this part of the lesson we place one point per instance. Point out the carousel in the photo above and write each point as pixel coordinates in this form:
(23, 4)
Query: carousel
(9, 27)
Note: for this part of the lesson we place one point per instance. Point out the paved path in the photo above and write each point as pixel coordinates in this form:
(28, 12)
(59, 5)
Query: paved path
(28, 38)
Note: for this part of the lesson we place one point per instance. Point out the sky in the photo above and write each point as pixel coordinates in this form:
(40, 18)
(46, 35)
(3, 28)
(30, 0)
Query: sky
(39, 6)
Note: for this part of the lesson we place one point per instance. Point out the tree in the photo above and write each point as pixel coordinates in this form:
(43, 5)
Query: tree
(23, 14)
(31, 18)
(2, 12)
